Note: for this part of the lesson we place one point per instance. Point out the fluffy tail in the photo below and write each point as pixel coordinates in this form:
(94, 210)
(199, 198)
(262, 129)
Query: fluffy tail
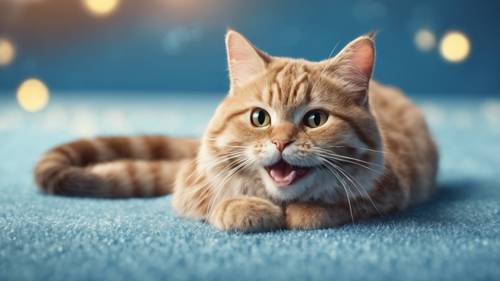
(140, 166)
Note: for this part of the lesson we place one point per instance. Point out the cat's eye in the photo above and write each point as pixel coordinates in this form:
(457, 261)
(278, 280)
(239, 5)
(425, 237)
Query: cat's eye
(260, 118)
(315, 118)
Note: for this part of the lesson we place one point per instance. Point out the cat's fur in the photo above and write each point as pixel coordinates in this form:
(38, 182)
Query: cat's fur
(374, 154)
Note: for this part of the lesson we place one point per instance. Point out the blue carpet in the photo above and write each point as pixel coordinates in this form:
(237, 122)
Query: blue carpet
(456, 236)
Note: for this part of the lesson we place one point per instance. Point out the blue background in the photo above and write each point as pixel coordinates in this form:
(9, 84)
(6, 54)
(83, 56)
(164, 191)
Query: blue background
(172, 45)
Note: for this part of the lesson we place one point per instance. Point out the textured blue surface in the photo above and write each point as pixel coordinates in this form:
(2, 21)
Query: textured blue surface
(456, 236)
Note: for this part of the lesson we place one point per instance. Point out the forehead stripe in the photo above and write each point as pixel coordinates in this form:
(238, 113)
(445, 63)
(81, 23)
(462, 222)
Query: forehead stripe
(269, 93)
(296, 85)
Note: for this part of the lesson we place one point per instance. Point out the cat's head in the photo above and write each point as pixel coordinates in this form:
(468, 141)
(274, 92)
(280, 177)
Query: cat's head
(303, 127)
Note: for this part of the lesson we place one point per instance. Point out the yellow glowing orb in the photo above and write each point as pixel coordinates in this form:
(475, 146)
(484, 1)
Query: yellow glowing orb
(101, 7)
(7, 51)
(425, 40)
(32, 95)
(455, 46)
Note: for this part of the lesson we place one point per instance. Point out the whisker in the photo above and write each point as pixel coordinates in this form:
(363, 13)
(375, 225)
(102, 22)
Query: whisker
(367, 149)
(213, 164)
(228, 177)
(341, 155)
(358, 147)
(221, 184)
(352, 161)
(343, 184)
(355, 182)
(217, 188)
(357, 164)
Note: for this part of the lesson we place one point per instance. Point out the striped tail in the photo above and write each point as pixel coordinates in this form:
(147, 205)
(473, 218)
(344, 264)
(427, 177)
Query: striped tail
(140, 166)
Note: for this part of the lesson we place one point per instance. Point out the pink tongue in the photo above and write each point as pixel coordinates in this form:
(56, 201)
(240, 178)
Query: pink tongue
(283, 174)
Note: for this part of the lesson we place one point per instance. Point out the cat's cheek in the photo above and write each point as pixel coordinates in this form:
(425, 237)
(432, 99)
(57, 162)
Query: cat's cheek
(221, 142)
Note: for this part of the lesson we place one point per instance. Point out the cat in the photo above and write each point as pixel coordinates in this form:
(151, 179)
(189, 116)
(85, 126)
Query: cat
(295, 144)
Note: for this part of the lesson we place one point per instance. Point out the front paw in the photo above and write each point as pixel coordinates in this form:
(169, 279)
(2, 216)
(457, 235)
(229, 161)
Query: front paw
(247, 214)
(305, 215)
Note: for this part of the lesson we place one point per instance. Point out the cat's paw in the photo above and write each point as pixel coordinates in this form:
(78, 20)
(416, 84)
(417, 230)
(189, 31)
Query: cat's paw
(247, 214)
(305, 215)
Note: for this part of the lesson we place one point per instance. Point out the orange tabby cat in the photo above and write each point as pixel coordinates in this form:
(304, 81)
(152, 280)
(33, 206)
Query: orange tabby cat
(295, 144)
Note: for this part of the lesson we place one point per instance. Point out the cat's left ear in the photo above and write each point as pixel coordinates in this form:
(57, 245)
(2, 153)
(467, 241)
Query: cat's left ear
(352, 68)
(244, 60)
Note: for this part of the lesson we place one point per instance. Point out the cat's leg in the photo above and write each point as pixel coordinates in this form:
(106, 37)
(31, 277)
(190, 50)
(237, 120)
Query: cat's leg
(247, 214)
(312, 215)
(193, 198)
(388, 196)
(316, 215)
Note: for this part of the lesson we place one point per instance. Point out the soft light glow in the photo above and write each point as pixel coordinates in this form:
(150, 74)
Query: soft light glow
(101, 7)
(32, 95)
(425, 40)
(7, 51)
(455, 46)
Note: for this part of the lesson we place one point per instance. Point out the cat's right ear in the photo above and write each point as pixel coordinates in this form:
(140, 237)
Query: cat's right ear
(353, 66)
(244, 60)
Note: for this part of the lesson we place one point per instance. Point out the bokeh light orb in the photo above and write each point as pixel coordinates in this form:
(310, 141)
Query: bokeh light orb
(32, 95)
(101, 7)
(425, 40)
(454, 46)
(7, 51)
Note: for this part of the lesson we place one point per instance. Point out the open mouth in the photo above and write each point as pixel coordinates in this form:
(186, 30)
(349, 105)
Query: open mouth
(284, 174)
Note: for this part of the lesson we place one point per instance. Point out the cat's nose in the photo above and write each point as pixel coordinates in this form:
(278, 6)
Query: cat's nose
(281, 144)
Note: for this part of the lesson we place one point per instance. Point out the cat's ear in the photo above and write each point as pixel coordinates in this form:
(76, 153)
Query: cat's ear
(352, 68)
(244, 60)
